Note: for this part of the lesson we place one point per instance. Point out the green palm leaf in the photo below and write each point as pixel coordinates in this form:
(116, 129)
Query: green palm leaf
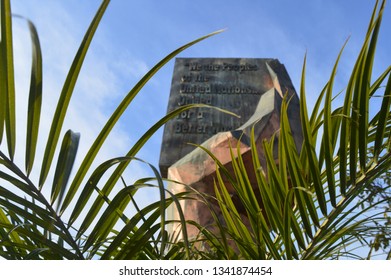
(7, 88)
(320, 217)
(66, 160)
(35, 99)
(66, 93)
(113, 120)
(305, 205)
(382, 117)
(309, 147)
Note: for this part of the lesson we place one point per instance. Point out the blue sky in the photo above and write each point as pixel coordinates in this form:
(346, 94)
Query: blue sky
(135, 35)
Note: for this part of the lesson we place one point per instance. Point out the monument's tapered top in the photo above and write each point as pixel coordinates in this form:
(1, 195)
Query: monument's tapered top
(234, 84)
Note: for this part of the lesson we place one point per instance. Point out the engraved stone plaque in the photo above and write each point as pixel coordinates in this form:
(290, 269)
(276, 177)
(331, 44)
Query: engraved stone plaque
(234, 84)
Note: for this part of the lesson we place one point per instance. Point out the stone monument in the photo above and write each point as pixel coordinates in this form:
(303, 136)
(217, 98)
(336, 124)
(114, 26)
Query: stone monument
(253, 89)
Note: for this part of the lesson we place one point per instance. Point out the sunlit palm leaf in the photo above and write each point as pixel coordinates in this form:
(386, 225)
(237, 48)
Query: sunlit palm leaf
(306, 232)
(66, 93)
(66, 160)
(309, 147)
(382, 117)
(9, 235)
(328, 148)
(91, 187)
(7, 77)
(308, 200)
(365, 90)
(35, 99)
(91, 154)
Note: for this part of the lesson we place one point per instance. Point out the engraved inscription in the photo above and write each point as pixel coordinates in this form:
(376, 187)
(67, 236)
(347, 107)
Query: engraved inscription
(200, 83)
(233, 84)
(241, 67)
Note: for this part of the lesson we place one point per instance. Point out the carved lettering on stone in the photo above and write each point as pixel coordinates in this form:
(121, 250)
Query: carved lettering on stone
(234, 84)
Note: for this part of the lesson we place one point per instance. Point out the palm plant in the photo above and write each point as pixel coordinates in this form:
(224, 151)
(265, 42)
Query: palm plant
(46, 220)
(333, 215)
(42, 220)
